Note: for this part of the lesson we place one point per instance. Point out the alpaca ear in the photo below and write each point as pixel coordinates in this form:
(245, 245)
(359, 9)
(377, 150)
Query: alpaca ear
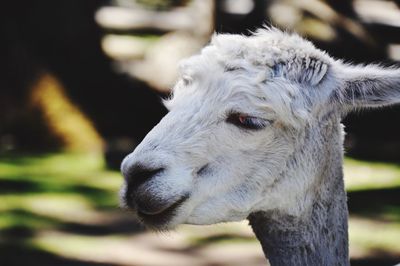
(309, 71)
(367, 86)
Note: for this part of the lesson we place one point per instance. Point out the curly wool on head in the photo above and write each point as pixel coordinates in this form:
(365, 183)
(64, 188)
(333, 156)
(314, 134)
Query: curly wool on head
(260, 65)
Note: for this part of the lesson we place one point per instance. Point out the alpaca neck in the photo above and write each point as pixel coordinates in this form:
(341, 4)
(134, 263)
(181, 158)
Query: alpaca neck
(319, 236)
(320, 240)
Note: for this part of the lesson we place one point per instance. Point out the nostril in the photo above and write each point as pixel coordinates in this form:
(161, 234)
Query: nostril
(138, 174)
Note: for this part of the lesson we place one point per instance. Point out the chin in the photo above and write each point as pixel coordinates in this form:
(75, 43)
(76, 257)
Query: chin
(166, 219)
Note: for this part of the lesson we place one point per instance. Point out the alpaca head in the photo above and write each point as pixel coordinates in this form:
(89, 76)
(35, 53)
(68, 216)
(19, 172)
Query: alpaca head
(248, 127)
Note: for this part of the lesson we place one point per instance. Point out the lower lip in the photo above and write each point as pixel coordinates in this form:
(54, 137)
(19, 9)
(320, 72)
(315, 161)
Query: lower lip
(163, 217)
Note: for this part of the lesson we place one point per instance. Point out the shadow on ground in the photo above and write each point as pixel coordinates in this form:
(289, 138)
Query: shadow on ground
(375, 262)
(17, 255)
(376, 203)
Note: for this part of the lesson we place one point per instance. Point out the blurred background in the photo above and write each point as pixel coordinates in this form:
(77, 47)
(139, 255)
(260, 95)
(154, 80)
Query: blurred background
(81, 83)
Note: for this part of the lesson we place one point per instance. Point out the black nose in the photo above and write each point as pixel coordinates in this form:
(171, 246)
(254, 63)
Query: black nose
(138, 174)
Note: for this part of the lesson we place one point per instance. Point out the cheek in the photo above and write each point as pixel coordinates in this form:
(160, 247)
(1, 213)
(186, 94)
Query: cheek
(233, 205)
(234, 176)
(244, 196)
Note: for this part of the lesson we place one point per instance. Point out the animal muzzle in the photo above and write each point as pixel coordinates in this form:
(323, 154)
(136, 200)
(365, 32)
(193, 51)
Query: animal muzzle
(140, 194)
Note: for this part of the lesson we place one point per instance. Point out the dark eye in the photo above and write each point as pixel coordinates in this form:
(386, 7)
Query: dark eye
(246, 121)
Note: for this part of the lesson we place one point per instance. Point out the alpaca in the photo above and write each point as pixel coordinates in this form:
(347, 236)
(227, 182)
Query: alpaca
(254, 132)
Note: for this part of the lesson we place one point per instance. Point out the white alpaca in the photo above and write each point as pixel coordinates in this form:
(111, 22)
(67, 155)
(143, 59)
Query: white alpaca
(254, 133)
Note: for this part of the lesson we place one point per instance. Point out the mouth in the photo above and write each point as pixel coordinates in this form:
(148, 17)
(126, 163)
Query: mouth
(159, 220)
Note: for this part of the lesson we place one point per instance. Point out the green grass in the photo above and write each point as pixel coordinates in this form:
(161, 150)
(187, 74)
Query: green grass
(360, 175)
(41, 191)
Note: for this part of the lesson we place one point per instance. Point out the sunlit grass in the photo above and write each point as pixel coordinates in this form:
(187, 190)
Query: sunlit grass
(73, 245)
(20, 218)
(56, 188)
(60, 164)
(360, 175)
(59, 172)
(370, 237)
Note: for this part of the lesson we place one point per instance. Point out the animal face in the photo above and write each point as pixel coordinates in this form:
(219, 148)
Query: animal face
(249, 124)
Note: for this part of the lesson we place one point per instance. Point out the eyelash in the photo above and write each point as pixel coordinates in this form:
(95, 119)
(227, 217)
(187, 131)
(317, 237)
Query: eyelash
(246, 121)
